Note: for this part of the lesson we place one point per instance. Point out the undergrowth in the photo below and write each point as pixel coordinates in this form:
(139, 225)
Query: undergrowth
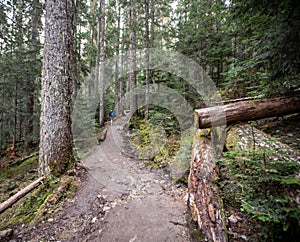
(38, 204)
(161, 144)
(265, 189)
(156, 139)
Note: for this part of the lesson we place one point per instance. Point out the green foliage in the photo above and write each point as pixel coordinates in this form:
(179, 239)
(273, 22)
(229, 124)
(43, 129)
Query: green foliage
(40, 202)
(203, 34)
(20, 69)
(268, 57)
(264, 189)
(246, 43)
(156, 138)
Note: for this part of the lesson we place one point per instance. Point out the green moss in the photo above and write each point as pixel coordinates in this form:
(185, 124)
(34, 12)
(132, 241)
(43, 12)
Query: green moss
(195, 232)
(35, 204)
(9, 172)
(57, 169)
(25, 209)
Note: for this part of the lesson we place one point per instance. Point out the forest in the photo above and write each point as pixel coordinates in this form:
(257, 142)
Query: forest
(162, 67)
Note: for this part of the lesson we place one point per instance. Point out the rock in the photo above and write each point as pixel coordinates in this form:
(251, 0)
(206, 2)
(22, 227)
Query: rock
(244, 237)
(144, 180)
(186, 198)
(153, 189)
(106, 208)
(5, 235)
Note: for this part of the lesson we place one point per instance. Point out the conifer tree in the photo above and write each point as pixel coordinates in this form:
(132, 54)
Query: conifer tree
(55, 155)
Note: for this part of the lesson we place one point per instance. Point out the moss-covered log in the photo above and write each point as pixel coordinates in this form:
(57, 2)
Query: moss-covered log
(247, 110)
(204, 200)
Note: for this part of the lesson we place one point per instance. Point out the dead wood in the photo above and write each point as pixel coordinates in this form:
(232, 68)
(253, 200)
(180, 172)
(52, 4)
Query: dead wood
(12, 200)
(204, 200)
(14, 160)
(247, 111)
(102, 135)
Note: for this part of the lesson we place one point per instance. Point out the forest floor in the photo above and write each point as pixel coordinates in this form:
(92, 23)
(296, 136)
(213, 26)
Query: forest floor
(119, 199)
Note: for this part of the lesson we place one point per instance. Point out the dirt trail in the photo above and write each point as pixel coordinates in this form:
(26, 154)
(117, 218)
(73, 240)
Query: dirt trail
(120, 200)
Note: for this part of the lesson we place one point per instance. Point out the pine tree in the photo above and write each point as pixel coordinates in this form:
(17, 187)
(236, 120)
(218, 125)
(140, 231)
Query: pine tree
(55, 155)
(20, 70)
(132, 57)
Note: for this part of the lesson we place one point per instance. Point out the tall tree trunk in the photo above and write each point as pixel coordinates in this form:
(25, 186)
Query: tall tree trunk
(121, 82)
(77, 50)
(147, 45)
(132, 58)
(152, 25)
(97, 68)
(101, 61)
(92, 40)
(55, 155)
(118, 81)
(14, 138)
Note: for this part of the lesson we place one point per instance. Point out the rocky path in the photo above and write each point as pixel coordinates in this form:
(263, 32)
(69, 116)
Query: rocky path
(120, 200)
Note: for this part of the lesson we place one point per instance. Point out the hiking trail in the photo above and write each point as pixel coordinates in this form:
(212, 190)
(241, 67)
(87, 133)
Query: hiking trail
(119, 200)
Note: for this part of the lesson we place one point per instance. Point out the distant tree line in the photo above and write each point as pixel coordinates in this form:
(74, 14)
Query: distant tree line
(249, 48)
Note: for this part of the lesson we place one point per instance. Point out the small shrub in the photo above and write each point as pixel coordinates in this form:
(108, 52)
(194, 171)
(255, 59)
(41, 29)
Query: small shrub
(264, 189)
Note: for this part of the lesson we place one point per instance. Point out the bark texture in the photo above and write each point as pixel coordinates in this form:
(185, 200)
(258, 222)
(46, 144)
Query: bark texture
(204, 200)
(247, 110)
(55, 153)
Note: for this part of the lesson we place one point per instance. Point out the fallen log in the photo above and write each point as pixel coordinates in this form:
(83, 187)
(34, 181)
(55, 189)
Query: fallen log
(204, 200)
(22, 159)
(15, 162)
(102, 135)
(247, 111)
(12, 200)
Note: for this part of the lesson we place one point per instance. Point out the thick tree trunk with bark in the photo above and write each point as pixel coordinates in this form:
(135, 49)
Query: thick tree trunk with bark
(55, 155)
(204, 200)
(247, 110)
